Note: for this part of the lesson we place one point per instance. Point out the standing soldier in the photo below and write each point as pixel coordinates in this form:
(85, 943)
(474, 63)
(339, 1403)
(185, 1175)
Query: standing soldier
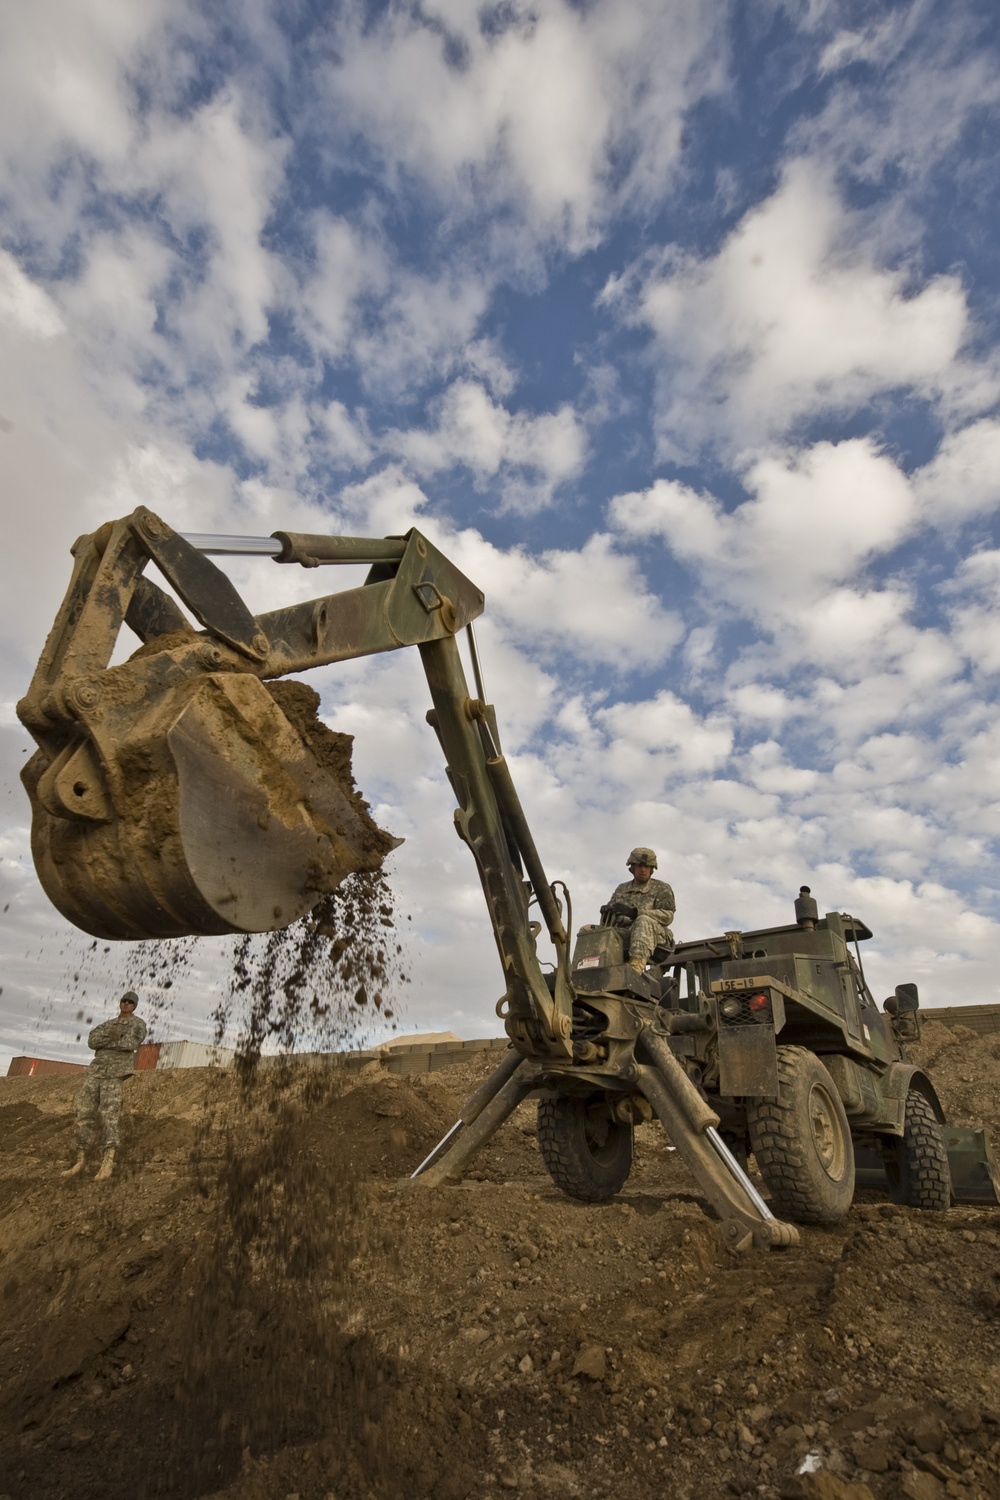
(114, 1044)
(644, 907)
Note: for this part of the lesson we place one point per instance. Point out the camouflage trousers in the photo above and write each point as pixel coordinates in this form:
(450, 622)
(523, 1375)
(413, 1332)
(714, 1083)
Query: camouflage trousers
(651, 929)
(99, 1105)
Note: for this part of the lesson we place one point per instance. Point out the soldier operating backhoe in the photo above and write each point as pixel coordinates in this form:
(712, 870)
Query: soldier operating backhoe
(643, 908)
(176, 793)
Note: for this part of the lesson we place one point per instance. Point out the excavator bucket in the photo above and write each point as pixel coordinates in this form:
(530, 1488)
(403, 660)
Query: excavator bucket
(228, 820)
(177, 793)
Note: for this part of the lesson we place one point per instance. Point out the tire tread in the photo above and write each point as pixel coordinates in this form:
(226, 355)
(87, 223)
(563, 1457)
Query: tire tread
(567, 1165)
(925, 1173)
(778, 1146)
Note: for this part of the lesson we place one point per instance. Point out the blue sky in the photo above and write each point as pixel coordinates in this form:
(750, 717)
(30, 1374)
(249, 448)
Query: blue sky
(677, 326)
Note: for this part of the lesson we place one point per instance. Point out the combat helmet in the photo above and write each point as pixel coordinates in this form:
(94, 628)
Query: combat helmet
(642, 856)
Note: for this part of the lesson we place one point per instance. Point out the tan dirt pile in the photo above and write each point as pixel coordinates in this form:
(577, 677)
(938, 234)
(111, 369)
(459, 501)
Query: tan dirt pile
(256, 1308)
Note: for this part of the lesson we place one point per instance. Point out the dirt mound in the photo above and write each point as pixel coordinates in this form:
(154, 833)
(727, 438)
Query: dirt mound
(257, 1308)
(965, 1068)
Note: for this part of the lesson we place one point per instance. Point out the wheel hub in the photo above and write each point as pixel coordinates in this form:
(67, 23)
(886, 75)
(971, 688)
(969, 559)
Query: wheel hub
(827, 1137)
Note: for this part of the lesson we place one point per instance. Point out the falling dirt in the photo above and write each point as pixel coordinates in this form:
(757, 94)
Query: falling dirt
(313, 986)
(257, 1308)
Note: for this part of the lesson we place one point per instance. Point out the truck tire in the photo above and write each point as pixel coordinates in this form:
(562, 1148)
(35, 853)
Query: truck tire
(588, 1153)
(917, 1163)
(802, 1143)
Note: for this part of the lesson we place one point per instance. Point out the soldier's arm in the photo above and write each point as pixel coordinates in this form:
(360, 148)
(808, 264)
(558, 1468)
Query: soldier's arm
(104, 1035)
(665, 902)
(119, 1035)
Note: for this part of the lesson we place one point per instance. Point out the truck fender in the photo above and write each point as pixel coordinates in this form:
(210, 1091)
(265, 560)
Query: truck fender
(900, 1078)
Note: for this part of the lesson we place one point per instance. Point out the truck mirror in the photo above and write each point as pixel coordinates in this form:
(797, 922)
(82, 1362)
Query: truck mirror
(907, 998)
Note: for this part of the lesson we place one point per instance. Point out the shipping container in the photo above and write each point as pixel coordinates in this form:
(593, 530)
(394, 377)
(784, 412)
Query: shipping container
(34, 1067)
(147, 1056)
(193, 1055)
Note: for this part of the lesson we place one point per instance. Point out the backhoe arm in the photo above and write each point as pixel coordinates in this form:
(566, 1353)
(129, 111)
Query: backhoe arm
(175, 793)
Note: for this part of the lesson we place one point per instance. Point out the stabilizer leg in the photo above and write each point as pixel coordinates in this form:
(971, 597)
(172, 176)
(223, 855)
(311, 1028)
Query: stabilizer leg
(693, 1128)
(497, 1100)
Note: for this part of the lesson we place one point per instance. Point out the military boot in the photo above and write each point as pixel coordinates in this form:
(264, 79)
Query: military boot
(107, 1166)
(76, 1168)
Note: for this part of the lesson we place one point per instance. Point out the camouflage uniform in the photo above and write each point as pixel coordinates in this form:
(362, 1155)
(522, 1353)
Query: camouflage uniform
(114, 1044)
(656, 907)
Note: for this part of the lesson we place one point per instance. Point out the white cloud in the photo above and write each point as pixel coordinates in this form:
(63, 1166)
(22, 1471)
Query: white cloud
(933, 75)
(25, 304)
(762, 703)
(975, 612)
(544, 601)
(219, 172)
(351, 264)
(421, 328)
(524, 109)
(875, 43)
(963, 477)
(816, 517)
(475, 431)
(798, 560)
(592, 603)
(64, 76)
(793, 316)
(667, 732)
(349, 440)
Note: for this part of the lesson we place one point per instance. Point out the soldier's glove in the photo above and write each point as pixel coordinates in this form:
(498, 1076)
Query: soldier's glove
(618, 913)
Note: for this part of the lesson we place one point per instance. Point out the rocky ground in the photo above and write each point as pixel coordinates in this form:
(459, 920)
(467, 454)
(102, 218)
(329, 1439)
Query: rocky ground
(256, 1308)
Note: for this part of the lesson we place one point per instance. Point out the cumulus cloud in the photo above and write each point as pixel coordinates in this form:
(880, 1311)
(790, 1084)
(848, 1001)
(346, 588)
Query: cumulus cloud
(973, 596)
(26, 305)
(527, 111)
(65, 81)
(816, 517)
(310, 319)
(834, 645)
(482, 435)
(963, 477)
(793, 315)
(930, 78)
(591, 603)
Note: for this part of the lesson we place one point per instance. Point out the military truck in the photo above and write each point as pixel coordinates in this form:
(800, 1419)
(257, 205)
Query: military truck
(175, 792)
(778, 1029)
